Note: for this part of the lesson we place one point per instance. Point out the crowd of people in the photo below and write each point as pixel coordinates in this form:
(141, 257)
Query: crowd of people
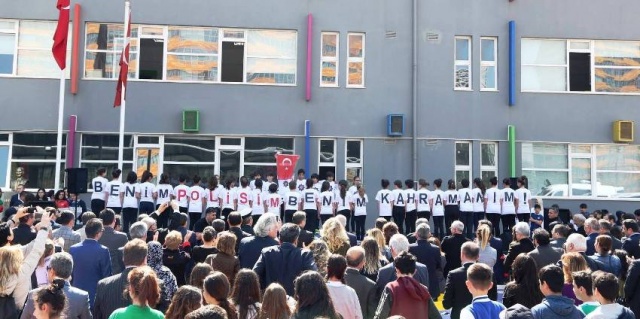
(300, 249)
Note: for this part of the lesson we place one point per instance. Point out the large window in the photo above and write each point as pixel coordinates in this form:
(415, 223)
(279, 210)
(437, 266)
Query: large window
(25, 49)
(355, 59)
(329, 58)
(557, 65)
(33, 159)
(193, 54)
(463, 161)
(4, 159)
(101, 150)
(488, 161)
(353, 159)
(462, 65)
(189, 156)
(488, 64)
(326, 157)
(259, 154)
(547, 168)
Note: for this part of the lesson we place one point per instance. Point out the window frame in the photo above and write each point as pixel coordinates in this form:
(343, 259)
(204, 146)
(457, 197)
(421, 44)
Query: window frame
(348, 165)
(462, 168)
(6, 184)
(335, 154)
(356, 60)
(493, 64)
(217, 56)
(468, 63)
(15, 32)
(125, 161)
(53, 160)
(489, 168)
(335, 59)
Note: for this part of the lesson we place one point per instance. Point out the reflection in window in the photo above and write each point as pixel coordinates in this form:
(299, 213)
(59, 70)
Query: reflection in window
(355, 59)
(271, 56)
(488, 64)
(34, 50)
(329, 58)
(263, 149)
(100, 147)
(547, 168)
(462, 69)
(463, 161)
(4, 162)
(104, 47)
(327, 151)
(192, 54)
(353, 159)
(488, 161)
(37, 146)
(7, 46)
(37, 174)
(189, 149)
(205, 171)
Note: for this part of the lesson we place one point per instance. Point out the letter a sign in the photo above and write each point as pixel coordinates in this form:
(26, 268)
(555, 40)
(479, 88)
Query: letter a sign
(286, 166)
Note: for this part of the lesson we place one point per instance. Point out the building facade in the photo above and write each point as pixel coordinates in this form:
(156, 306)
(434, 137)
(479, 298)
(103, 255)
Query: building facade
(559, 73)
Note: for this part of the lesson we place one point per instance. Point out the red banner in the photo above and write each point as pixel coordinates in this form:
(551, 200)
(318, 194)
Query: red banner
(286, 166)
(59, 48)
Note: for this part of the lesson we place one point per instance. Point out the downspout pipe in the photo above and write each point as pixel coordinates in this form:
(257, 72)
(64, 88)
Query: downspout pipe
(414, 87)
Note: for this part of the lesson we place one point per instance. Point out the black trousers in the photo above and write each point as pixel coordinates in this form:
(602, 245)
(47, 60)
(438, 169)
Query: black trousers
(255, 218)
(508, 221)
(360, 221)
(347, 214)
(388, 218)
(398, 217)
(193, 218)
(477, 217)
(129, 216)
(410, 221)
(438, 226)
(116, 210)
(225, 215)
(451, 213)
(288, 215)
(163, 219)
(424, 214)
(467, 219)
(524, 217)
(312, 220)
(323, 218)
(352, 222)
(495, 221)
(146, 208)
(97, 205)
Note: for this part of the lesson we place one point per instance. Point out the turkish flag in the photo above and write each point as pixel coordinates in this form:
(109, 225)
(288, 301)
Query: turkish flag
(286, 166)
(59, 48)
(121, 88)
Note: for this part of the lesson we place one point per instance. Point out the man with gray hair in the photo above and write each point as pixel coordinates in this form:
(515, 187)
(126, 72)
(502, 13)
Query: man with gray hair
(353, 240)
(577, 243)
(605, 229)
(592, 230)
(399, 243)
(266, 230)
(365, 288)
(61, 266)
(428, 254)
(137, 230)
(412, 237)
(451, 246)
(521, 244)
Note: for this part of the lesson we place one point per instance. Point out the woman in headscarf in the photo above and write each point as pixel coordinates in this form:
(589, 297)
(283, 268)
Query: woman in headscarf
(154, 260)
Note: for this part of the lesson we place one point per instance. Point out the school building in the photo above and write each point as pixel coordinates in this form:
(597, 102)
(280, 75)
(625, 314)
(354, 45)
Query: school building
(377, 88)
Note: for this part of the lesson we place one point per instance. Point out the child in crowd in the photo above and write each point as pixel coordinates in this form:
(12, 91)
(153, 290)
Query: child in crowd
(605, 291)
(582, 287)
(537, 218)
(479, 282)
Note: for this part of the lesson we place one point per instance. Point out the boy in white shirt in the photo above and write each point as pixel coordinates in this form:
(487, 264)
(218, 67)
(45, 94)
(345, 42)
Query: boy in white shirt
(384, 197)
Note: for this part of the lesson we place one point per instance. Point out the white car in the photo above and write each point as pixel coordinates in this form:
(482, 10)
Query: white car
(579, 189)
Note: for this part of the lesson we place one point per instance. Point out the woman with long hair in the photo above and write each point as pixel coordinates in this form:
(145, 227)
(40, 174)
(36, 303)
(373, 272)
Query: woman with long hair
(185, 300)
(197, 200)
(199, 272)
(275, 303)
(41, 195)
(311, 205)
(437, 208)
(112, 192)
(321, 254)
(146, 191)
(572, 262)
(228, 198)
(477, 193)
(488, 255)
(246, 294)
(163, 194)
(154, 260)
(216, 292)
(524, 289)
(451, 208)
(373, 259)
(312, 297)
(359, 203)
(144, 290)
(129, 194)
(523, 200)
(343, 297)
(422, 200)
(61, 200)
(334, 234)
(343, 199)
(327, 203)
(225, 260)
(50, 301)
(213, 194)
(380, 239)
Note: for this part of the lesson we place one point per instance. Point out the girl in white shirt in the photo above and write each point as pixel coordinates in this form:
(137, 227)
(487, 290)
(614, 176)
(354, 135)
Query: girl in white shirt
(129, 201)
(359, 202)
(523, 200)
(343, 200)
(292, 202)
(451, 208)
(243, 194)
(98, 184)
(492, 205)
(197, 200)
(112, 192)
(257, 201)
(327, 202)
(311, 205)
(213, 195)
(478, 202)
(399, 203)
(146, 193)
(410, 207)
(163, 194)
(507, 201)
(423, 195)
(437, 208)
(181, 194)
(273, 200)
(227, 199)
(384, 197)
(465, 200)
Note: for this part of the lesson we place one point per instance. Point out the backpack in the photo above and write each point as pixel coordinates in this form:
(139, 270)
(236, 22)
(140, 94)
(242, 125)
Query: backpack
(8, 309)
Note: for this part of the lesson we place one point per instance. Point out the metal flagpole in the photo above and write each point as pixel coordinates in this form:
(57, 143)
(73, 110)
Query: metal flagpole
(60, 127)
(127, 8)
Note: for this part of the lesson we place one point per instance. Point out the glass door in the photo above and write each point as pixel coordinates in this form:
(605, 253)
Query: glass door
(148, 156)
(230, 153)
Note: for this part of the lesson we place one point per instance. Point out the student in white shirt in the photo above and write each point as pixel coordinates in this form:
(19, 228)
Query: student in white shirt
(352, 191)
(292, 202)
(163, 194)
(112, 192)
(257, 201)
(257, 175)
(301, 182)
(359, 202)
(507, 201)
(423, 195)
(129, 201)
(98, 185)
(478, 202)
(437, 208)
(268, 182)
(410, 207)
(315, 178)
(181, 194)
(342, 198)
(273, 200)
(492, 205)
(311, 205)
(327, 203)
(146, 193)
(213, 195)
(465, 200)
(384, 197)
(228, 199)
(197, 200)
(399, 203)
(451, 208)
(243, 194)
(523, 200)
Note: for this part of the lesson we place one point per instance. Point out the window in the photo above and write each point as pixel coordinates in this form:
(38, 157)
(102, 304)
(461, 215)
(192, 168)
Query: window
(8, 31)
(189, 156)
(271, 56)
(101, 150)
(326, 157)
(547, 168)
(355, 59)
(463, 161)
(4, 160)
(488, 161)
(34, 156)
(103, 47)
(488, 64)
(618, 171)
(151, 55)
(329, 58)
(192, 54)
(259, 154)
(353, 159)
(462, 67)
(554, 65)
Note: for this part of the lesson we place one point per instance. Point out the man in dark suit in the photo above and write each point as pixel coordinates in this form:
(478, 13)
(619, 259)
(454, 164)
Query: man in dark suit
(306, 237)
(15, 200)
(456, 293)
(605, 229)
(353, 240)
(247, 222)
(544, 254)
(284, 263)
(24, 233)
(592, 230)
(92, 261)
(577, 243)
(521, 244)
(632, 287)
(399, 243)
(235, 222)
(412, 237)
(451, 246)
(365, 288)
(109, 296)
(429, 255)
(112, 239)
(632, 242)
(266, 234)
(61, 267)
(559, 234)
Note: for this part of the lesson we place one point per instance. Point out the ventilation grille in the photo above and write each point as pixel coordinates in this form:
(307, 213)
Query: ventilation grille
(390, 34)
(433, 36)
(623, 131)
(390, 141)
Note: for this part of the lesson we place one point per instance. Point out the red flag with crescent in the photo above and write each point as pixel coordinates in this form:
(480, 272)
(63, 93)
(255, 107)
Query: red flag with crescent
(286, 166)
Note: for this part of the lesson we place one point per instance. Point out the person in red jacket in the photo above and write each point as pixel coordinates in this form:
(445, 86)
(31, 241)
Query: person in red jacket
(406, 296)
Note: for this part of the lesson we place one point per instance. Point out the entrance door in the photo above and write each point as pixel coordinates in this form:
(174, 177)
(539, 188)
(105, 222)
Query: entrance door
(148, 155)
(230, 158)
